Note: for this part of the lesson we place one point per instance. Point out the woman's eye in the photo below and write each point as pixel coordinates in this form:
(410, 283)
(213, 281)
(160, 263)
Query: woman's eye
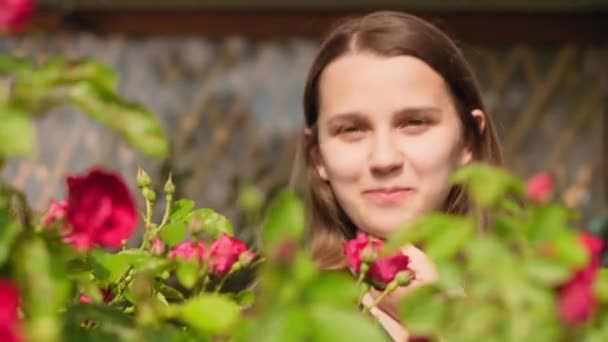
(414, 125)
(350, 132)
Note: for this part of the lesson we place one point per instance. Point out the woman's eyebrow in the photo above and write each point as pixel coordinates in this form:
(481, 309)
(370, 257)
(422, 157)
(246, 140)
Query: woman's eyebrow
(346, 116)
(427, 110)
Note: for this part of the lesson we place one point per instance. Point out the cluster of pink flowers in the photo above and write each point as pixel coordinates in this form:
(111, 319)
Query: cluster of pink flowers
(221, 255)
(382, 270)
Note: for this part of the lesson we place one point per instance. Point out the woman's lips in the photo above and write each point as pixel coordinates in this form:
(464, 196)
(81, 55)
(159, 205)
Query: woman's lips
(388, 196)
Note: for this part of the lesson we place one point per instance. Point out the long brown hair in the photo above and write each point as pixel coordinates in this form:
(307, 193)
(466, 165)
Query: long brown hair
(387, 34)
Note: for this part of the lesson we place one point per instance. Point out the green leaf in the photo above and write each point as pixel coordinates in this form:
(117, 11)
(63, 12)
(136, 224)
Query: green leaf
(180, 208)
(567, 248)
(173, 233)
(187, 274)
(333, 289)
(9, 232)
(109, 267)
(445, 243)
(170, 293)
(330, 323)
(546, 271)
(211, 314)
(17, 134)
(137, 125)
(278, 324)
(245, 298)
(212, 223)
(546, 220)
(111, 324)
(433, 224)
(600, 286)
(154, 266)
(486, 184)
(423, 310)
(45, 289)
(285, 219)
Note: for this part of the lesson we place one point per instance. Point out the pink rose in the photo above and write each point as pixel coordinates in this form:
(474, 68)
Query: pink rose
(539, 187)
(353, 249)
(9, 319)
(576, 301)
(101, 210)
(14, 14)
(224, 252)
(57, 212)
(382, 270)
(188, 251)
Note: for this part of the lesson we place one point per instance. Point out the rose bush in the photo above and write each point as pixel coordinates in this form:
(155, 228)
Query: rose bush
(513, 270)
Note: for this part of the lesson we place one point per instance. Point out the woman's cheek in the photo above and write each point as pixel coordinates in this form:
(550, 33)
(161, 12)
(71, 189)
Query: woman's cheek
(344, 162)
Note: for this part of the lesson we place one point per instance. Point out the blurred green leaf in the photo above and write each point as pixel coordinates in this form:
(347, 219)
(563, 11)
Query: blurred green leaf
(279, 324)
(17, 134)
(423, 310)
(445, 243)
(111, 324)
(486, 184)
(154, 266)
(180, 208)
(169, 292)
(45, 288)
(334, 289)
(213, 223)
(108, 267)
(136, 124)
(187, 273)
(331, 323)
(245, 298)
(546, 271)
(546, 220)
(285, 219)
(567, 248)
(173, 233)
(9, 232)
(209, 314)
(600, 286)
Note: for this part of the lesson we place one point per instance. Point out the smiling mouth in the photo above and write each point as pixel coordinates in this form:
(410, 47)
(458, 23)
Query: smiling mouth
(388, 196)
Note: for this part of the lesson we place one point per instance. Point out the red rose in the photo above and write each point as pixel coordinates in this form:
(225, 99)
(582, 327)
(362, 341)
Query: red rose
(576, 300)
(224, 252)
(188, 251)
(9, 319)
(101, 210)
(382, 270)
(56, 212)
(539, 187)
(14, 14)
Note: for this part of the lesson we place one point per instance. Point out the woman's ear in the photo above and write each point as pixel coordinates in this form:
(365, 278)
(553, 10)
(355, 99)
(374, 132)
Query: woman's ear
(315, 154)
(480, 121)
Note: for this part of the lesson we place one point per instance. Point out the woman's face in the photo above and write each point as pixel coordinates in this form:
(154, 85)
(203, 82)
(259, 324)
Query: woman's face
(389, 137)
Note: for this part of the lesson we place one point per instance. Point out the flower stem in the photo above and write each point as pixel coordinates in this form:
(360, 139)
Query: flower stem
(168, 203)
(390, 288)
(219, 286)
(363, 289)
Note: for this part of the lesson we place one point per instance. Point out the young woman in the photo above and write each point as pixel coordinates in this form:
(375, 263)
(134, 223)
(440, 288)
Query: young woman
(391, 109)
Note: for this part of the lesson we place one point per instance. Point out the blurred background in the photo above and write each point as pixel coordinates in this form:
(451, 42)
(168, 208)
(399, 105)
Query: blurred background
(226, 79)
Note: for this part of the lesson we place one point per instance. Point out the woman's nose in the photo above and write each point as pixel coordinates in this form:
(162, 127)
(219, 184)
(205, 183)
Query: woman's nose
(386, 157)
